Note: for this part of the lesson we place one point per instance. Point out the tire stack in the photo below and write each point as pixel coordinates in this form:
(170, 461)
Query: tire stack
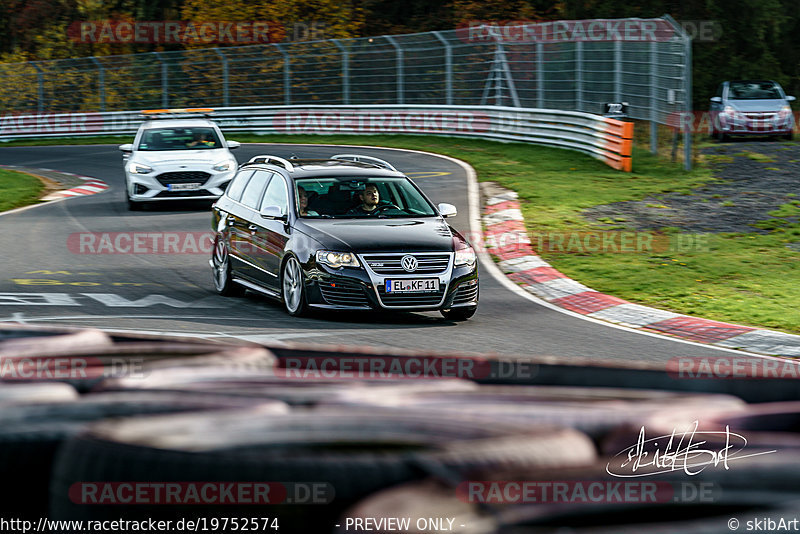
(183, 413)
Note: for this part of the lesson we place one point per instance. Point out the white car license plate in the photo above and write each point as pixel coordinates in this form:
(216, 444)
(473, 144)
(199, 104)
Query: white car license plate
(183, 187)
(416, 285)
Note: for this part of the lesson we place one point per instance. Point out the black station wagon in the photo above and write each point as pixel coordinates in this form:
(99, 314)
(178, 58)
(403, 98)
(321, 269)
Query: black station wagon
(346, 233)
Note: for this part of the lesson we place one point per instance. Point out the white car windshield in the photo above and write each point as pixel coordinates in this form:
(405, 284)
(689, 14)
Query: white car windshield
(755, 91)
(195, 138)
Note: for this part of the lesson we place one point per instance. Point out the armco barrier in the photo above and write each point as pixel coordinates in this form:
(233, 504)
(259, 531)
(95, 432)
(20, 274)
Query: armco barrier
(606, 139)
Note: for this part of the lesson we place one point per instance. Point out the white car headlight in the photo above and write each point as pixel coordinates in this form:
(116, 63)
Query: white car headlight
(465, 256)
(732, 112)
(337, 259)
(138, 168)
(224, 166)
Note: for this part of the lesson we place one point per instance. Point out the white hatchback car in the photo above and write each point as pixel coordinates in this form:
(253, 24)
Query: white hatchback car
(174, 159)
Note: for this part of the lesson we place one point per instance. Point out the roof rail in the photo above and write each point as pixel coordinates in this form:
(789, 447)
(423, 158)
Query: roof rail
(365, 159)
(272, 160)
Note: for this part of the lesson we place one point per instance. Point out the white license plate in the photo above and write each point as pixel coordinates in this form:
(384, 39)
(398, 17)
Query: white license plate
(416, 285)
(183, 187)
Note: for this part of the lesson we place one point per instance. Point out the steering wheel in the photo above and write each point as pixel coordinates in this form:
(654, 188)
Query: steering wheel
(384, 207)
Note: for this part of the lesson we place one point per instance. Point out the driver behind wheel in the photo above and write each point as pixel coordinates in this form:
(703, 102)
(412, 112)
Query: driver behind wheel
(369, 201)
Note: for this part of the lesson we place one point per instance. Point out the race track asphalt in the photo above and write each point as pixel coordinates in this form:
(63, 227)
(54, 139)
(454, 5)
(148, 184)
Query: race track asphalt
(47, 281)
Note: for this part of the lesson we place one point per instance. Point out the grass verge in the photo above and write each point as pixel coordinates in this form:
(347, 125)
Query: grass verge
(749, 279)
(18, 189)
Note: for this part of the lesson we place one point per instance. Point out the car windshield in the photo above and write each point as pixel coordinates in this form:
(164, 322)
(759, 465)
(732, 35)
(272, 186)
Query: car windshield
(195, 138)
(345, 197)
(754, 91)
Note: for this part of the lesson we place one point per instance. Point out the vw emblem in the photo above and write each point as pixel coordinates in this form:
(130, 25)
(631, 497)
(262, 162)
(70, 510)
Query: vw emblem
(409, 263)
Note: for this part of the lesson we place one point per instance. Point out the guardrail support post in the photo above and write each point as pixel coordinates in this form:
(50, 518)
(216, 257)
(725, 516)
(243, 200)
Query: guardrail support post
(653, 98)
(287, 75)
(101, 82)
(164, 81)
(448, 68)
(400, 81)
(40, 90)
(345, 71)
(226, 99)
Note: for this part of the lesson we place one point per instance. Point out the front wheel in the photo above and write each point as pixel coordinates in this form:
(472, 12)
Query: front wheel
(294, 294)
(223, 281)
(459, 314)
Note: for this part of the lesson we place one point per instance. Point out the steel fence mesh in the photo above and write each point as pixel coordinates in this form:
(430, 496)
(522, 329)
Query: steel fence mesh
(443, 68)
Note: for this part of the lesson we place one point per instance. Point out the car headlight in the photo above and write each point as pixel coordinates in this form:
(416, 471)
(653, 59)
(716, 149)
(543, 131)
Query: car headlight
(732, 112)
(337, 259)
(465, 256)
(138, 168)
(784, 112)
(224, 166)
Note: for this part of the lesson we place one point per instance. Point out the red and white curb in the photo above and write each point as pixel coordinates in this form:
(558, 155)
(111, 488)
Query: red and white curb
(506, 239)
(91, 186)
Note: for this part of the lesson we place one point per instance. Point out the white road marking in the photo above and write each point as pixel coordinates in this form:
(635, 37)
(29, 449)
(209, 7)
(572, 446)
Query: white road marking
(115, 301)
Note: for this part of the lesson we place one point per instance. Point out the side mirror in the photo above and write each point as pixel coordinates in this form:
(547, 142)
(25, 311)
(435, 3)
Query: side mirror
(716, 99)
(126, 148)
(447, 210)
(790, 99)
(233, 145)
(273, 212)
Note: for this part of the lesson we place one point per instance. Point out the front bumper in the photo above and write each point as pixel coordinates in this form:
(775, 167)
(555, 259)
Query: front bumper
(158, 186)
(361, 289)
(744, 126)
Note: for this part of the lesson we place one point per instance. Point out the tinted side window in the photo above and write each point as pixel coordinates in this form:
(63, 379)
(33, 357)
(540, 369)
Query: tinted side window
(277, 194)
(255, 188)
(236, 187)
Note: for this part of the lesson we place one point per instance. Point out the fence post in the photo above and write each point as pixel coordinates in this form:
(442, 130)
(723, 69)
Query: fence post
(400, 81)
(101, 82)
(579, 76)
(40, 79)
(164, 81)
(687, 91)
(653, 98)
(617, 71)
(345, 71)
(539, 76)
(287, 75)
(448, 68)
(226, 98)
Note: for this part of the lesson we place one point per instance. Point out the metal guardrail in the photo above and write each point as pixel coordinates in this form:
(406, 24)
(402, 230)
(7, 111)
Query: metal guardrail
(606, 139)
